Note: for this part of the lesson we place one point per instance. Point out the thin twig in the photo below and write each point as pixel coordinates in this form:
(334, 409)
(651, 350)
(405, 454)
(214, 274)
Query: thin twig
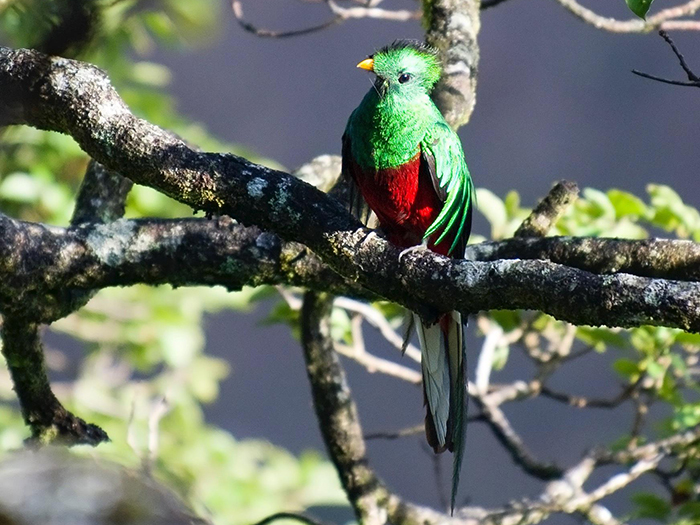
(411, 431)
(488, 4)
(341, 14)
(437, 474)
(372, 12)
(665, 19)
(681, 59)
(404, 432)
(237, 9)
(374, 364)
(693, 79)
(584, 402)
(484, 364)
(159, 409)
(303, 518)
(666, 80)
(511, 441)
(376, 319)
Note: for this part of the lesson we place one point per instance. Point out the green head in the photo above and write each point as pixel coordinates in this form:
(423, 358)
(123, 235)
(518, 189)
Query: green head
(404, 67)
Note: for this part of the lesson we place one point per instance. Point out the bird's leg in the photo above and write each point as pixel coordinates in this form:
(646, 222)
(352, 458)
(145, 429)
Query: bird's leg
(417, 248)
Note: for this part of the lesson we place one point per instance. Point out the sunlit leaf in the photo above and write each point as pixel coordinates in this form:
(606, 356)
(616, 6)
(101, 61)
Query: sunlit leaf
(639, 7)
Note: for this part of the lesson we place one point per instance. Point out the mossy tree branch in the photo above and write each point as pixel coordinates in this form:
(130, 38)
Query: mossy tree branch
(77, 98)
(44, 267)
(101, 198)
(452, 28)
(48, 420)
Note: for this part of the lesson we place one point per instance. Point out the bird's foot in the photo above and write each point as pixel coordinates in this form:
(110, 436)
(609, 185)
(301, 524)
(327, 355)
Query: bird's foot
(368, 237)
(417, 248)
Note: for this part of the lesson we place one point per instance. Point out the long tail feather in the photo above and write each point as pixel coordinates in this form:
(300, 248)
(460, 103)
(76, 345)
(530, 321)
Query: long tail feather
(443, 366)
(436, 377)
(458, 408)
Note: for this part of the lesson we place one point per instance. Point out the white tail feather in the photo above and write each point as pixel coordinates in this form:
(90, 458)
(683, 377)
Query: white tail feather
(436, 375)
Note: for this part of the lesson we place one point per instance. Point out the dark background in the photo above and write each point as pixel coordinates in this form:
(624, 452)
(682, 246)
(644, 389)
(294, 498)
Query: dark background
(555, 99)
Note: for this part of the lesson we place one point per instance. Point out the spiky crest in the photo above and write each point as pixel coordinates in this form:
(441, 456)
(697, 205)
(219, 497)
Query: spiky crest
(411, 56)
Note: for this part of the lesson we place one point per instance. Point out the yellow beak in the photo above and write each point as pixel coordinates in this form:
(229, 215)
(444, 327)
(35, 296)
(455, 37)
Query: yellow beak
(367, 63)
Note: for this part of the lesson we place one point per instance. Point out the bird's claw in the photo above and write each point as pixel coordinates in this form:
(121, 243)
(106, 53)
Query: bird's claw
(367, 238)
(417, 248)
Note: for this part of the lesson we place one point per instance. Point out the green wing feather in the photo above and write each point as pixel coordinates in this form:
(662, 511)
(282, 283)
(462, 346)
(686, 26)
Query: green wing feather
(453, 178)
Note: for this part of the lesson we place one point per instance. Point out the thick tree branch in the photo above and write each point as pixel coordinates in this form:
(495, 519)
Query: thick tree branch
(336, 412)
(187, 252)
(102, 196)
(661, 258)
(36, 260)
(42, 412)
(452, 28)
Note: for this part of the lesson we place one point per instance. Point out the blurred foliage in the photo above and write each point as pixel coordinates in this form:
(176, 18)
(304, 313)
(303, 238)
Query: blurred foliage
(143, 345)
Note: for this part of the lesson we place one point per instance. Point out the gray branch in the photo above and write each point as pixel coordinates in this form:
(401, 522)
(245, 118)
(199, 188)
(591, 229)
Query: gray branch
(453, 26)
(548, 210)
(48, 420)
(35, 259)
(101, 198)
(658, 258)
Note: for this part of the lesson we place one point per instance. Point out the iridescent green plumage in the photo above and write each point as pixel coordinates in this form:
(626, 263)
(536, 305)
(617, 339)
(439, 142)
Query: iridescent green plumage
(453, 176)
(407, 165)
(395, 121)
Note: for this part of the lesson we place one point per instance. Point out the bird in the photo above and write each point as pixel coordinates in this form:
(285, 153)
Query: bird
(402, 161)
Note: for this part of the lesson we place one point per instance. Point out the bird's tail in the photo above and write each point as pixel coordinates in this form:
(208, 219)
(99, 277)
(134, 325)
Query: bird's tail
(444, 387)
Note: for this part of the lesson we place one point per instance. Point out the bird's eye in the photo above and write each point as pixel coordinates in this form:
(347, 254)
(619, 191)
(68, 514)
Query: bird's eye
(404, 77)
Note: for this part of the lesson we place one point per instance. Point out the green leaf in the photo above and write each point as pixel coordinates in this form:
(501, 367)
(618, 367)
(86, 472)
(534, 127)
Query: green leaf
(500, 357)
(508, 319)
(600, 338)
(340, 326)
(151, 74)
(671, 213)
(512, 203)
(627, 204)
(690, 509)
(626, 367)
(599, 202)
(639, 7)
(651, 506)
(655, 370)
(687, 416)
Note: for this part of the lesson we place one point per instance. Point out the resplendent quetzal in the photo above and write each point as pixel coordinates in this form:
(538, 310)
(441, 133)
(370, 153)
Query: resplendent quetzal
(409, 168)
